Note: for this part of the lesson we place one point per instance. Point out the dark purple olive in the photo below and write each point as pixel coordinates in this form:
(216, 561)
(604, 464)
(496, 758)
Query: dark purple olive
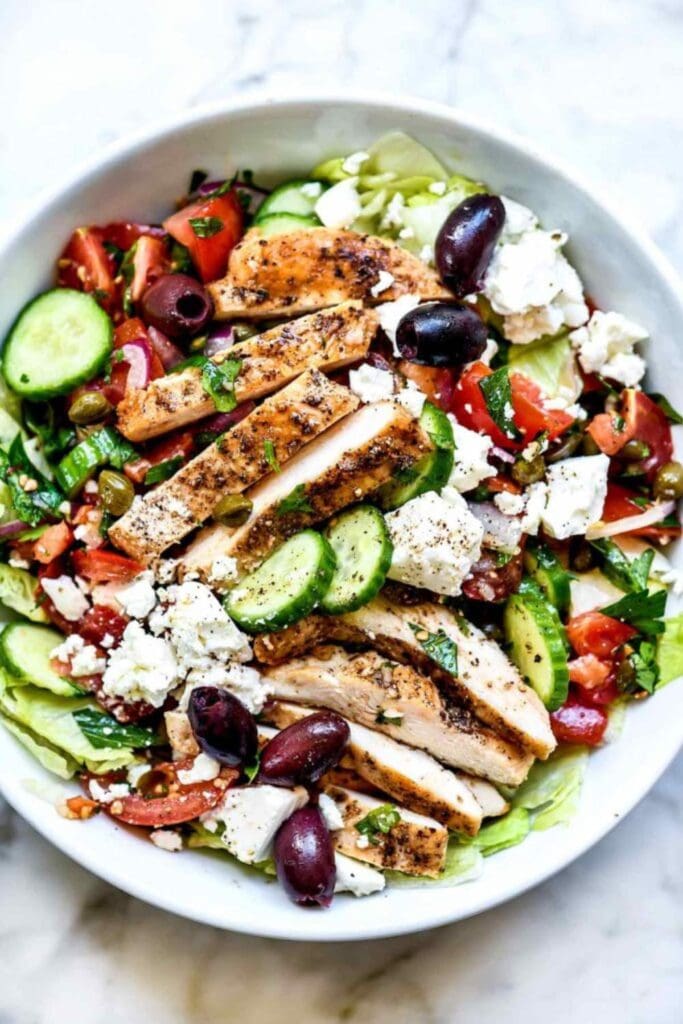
(177, 305)
(304, 751)
(465, 243)
(222, 726)
(441, 334)
(304, 858)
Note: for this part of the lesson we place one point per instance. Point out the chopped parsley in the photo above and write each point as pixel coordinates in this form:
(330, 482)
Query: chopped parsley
(294, 502)
(270, 456)
(438, 646)
(498, 397)
(218, 381)
(251, 770)
(206, 227)
(629, 575)
(381, 820)
(389, 717)
(163, 470)
(644, 663)
(32, 506)
(643, 610)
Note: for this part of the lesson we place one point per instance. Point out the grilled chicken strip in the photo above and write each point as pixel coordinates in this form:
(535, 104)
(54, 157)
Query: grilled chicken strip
(415, 844)
(396, 700)
(288, 420)
(297, 272)
(410, 776)
(343, 465)
(326, 341)
(487, 682)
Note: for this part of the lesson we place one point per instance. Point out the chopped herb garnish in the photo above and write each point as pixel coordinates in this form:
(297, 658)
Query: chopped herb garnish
(380, 820)
(502, 558)
(643, 610)
(644, 662)
(41, 499)
(270, 456)
(104, 731)
(251, 770)
(667, 408)
(218, 380)
(221, 189)
(206, 227)
(438, 646)
(163, 470)
(629, 575)
(294, 502)
(498, 397)
(619, 423)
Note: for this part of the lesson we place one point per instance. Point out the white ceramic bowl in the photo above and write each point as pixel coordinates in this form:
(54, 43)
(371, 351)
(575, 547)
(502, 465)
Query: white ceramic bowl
(621, 269)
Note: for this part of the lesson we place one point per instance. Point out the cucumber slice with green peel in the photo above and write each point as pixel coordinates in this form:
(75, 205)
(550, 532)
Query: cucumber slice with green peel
(282, 223)
(19, 592)
(362, 546)
(537, 644)
(547, 571)
(59, 340)
(432, 471)
(298, 197)
(286, 587)
(105, 447)
(25, 651)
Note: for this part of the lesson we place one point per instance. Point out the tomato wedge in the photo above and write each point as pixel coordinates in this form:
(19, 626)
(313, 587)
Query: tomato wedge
(125, 233)
(105, 566)
(53, 542)
(210, 229)
(640, 419)
(489, 581)
(85, 265)
(578, 723)
(593, 633)
(150, 262)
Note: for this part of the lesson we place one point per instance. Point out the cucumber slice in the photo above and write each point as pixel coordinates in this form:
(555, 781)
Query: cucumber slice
(363, 549)
(281, 223)
(106, 447)
(25, 652)
(19, 591)
(59, 340)
(286, 587)
(545, 569)
(432, 471)
(537, 644)
(289, 198)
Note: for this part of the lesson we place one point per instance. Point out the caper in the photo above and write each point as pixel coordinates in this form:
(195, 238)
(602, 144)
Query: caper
(582, 558)
(89, 407)
(634, 450)
(588, 445)
(528, 471)
(669, 481)
(626, 675)
(233, 510)
(116, 492)
(567, 448)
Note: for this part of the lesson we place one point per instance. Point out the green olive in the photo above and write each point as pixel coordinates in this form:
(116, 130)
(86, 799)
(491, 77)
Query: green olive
(588, 445)
(669, 481)
(583, 558)
(626, 675)
(89, 407)
(233, 510)
(528, 471)
(567, 448)
(634, 450)
(116, 492)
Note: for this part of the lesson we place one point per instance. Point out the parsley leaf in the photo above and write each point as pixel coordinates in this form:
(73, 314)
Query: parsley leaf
(295, 501)
(629, 575)
(218, 380)
(270, 456)
(644, 662)
(438, 646)
(31, 507)
(251, 770)
(667, 408)
(380, 819)
(104, 731)
(498, 397)
(206, 227)
(163, 470)
(642, 609)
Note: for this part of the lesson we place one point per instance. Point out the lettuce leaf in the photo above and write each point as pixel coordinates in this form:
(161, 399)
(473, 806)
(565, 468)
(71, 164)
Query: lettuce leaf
(201, 838)
(670, 650)
(463, 864)
(18, 592)
(550, 364)
(55, 761)
(552, 790)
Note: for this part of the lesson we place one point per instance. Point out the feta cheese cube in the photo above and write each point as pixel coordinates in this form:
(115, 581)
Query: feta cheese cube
(330, 812)
(470, 458)
(199, 628)
(605, 346)
(223, 571)
(339, 206)
(82, 658)
(518, 220)
(509, 504)
(371, 384)
(576, 495)
(203, 769)
(138, 598)
(412, 399)
(167, 839)
(357, 878)
(251, 817)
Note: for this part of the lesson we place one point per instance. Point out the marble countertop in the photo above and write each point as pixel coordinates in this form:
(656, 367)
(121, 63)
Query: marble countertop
(598, 84)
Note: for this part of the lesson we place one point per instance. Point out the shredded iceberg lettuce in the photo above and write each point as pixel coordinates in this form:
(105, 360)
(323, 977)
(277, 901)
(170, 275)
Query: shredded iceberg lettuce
(549, 363)
(552, 789)
(55, 761)
(670, 650)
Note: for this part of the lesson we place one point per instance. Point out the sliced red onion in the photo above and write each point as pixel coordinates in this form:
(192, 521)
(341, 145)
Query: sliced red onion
(221, 337)
(12, 529)
(169, 354)
(222, 421)
(138, 355)
(650, 517)
(500, 531)
(501, 454)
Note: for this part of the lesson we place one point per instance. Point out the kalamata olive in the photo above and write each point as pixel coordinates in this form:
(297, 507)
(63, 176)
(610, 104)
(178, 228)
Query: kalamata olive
(669, 482)
(116, 492)
(177, 305)
(441, 334)
(304, 858)
(465, 243)
(304, 751)
(223, 727)
(89, 407)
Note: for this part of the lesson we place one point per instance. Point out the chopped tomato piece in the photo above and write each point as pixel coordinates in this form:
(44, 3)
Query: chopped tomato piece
(85, 265)
(150, 262)
(640, 419)
(598, 634)
(180, 445)
(125, 233)
(105, 566)
(589, 672)
(531, 415)
(599, 696)
(210, 229)
(53, 542)
(578, 723)
(496, 484)
(100, 621)
(438, 384)
(490, 581)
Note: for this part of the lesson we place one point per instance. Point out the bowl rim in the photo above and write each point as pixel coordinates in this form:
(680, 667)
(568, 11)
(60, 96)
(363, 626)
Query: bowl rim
(254, 102)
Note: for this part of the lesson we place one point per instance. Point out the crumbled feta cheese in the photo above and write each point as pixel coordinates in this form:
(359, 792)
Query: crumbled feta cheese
(18, 563)
(576, 495)
(385, 279)
(406, 233)
(166, 839)
(470, 458)
(203, 769)
(535, 497)
(251, 817)
(82, 658)
(531, 284)
(411, 398)
(356, 877)
(244, 682)
(66, 597)
(436, 542)
(437, 188)
(518, 220)
(489, 352)
(354, 162)
(138, 598)
(108, 794)
(166, 570)
(393, 214)
(339, 206)
(91, 487)
(509, 504)
(605, 346)
(107, 641)
(330, 812)
(199, 628)
(362, 842)
(65, 508)
(142, 667)
(391, 313)
(223, 570)
(371, 384)
(426, 253)
(311, 189)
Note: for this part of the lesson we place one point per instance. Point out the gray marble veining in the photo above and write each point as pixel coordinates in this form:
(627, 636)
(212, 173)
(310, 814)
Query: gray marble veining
(599, 85)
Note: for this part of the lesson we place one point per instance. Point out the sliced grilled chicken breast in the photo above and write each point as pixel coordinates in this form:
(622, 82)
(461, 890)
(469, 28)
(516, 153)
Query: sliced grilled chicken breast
(327, 341)
(410, 776)
(486, 681)
(416, 844)
(492, 804)
(347, 462)
(297, 272)
(289, 419)
(396, 700)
